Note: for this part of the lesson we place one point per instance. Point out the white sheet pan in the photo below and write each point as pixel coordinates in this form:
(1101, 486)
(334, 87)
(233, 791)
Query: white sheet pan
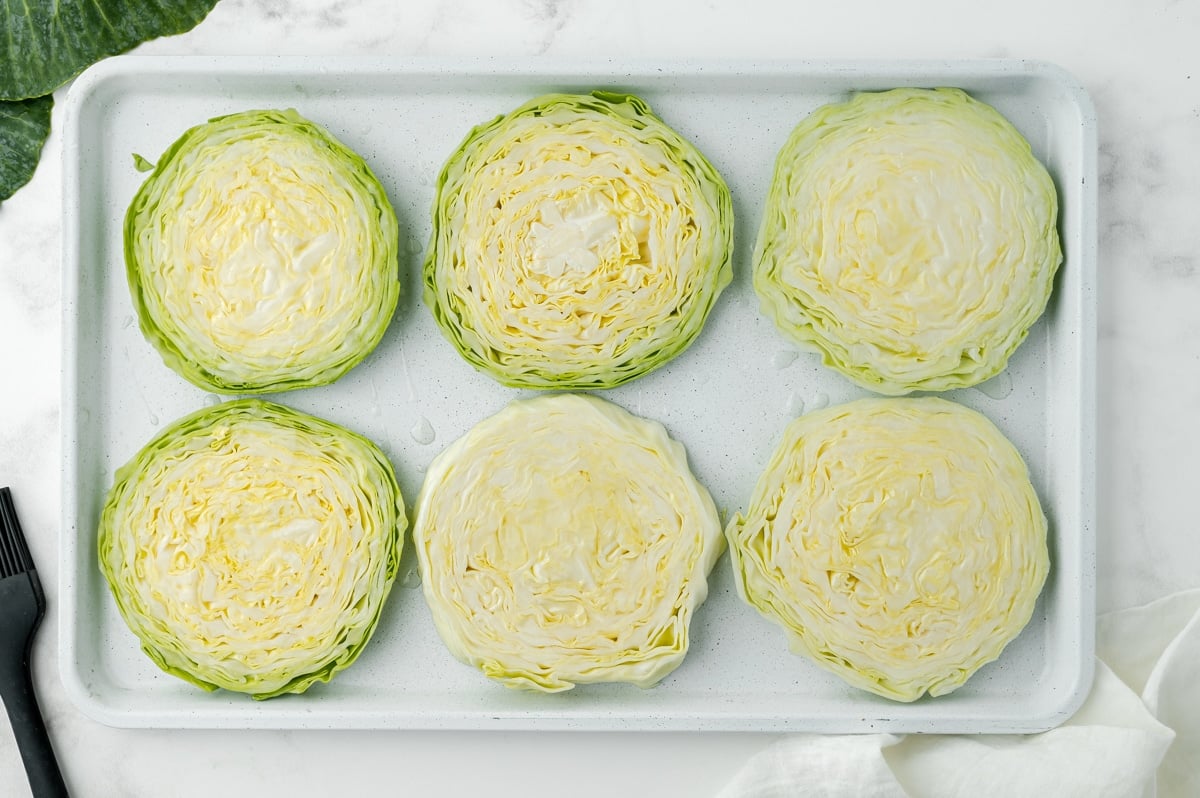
(727, 398)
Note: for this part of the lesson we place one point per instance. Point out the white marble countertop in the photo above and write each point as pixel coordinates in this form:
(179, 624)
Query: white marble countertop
(1137, 61)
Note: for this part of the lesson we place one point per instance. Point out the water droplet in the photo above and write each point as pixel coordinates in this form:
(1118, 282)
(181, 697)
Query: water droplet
(127, 322)
(153, 420)
(212, 400)
(795, 405)
(408, 383)
(784, 358)
(820, 399)
(375, 409)
(411, 578)
(422, 432)
(997, 387)
(85, 415)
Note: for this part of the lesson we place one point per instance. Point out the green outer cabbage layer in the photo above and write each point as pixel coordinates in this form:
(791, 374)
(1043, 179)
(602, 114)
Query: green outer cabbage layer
(910, 238)
(596, 334)
(157, 217)
(377, 502)
(897, 542)
(565, 541)
(44, 44)
(24, 126)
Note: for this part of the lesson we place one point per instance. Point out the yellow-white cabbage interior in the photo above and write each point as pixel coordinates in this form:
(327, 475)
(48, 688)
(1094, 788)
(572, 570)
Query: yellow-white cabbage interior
(565, 541)
(249, 553)
(909, 236)
(899, 542)
(578, 243)
(262, 255)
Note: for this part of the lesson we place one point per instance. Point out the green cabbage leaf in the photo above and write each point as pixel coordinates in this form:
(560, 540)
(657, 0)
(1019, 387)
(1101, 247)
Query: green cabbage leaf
(46, 44)
(43, 45)
(24, 126)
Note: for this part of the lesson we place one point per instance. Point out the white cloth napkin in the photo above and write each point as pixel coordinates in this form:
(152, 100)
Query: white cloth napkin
(1138, 730)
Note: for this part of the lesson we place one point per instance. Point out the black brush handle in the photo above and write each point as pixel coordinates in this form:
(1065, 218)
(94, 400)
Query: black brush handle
(45, 778)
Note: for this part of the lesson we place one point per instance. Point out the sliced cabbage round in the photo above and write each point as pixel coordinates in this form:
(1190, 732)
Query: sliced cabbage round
(261, 255)
(564, 541)
(578, 242)
(251, 547)
(910, 237)
(898, 542)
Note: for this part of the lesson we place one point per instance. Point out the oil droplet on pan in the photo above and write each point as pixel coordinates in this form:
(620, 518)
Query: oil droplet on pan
(784, 358)
(422, 432)
(375, 409)
(997, 387)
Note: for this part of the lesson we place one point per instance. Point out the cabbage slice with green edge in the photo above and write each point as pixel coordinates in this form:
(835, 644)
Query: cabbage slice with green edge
(251, 547)
(578, 242)
(898, 542)
(565, 541)
(910, 237)
(262, 255)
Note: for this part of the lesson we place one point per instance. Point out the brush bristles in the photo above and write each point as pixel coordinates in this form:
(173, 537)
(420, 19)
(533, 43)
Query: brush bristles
(14, 553)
